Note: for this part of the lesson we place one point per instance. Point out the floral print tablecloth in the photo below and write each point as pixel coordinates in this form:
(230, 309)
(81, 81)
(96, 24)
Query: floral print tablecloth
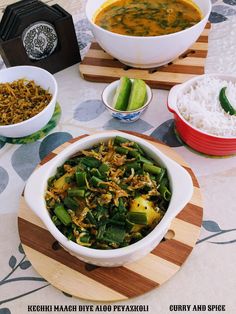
(208, 276)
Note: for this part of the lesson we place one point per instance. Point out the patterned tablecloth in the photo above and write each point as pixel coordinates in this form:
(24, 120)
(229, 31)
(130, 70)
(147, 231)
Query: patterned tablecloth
(209, 275)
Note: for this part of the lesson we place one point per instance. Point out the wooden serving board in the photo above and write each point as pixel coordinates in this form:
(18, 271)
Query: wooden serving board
(99, 66)
(89, 282)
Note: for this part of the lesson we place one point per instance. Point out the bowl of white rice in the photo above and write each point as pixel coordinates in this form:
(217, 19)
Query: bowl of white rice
(201, 118)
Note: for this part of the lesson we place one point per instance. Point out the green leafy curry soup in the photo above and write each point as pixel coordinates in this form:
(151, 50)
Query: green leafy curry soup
(147, 18)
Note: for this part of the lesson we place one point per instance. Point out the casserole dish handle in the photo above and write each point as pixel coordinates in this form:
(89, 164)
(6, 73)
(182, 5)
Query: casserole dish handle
(35, 190)
(183, 183)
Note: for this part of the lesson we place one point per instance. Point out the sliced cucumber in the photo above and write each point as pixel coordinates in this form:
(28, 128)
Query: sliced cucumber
(138, 95)
(121, 98)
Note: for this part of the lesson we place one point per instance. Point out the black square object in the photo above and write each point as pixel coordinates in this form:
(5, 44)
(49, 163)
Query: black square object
(39, 38)
(5, 22)
(25, 16)
(14, 52)
(60, 10)
(16, 18)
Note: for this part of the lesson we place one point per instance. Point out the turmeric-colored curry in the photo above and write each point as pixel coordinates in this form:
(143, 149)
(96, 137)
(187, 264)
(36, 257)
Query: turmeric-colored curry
(148, 17)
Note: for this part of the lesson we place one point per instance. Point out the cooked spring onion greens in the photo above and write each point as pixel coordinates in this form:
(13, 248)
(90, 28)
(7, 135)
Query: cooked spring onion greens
(109, 196)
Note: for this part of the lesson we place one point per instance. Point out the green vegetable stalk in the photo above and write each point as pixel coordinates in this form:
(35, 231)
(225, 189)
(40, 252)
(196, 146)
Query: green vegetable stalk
(225, 104)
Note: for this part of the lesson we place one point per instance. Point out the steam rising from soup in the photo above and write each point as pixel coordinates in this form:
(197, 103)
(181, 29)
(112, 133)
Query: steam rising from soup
(148, 17)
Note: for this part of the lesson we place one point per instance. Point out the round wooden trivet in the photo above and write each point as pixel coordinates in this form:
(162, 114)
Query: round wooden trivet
(89, 282)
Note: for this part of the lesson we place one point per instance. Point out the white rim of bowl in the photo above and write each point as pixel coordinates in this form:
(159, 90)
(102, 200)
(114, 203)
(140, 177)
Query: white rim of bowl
(54, 96)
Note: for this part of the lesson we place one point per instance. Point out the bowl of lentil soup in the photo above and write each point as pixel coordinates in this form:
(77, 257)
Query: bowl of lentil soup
(150, 33)
(27, 100)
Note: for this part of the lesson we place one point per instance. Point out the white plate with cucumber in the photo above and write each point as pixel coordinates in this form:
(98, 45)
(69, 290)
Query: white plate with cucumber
(126, 99)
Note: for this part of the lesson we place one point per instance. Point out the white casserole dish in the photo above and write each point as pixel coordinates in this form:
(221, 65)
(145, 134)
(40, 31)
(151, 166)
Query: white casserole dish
(180, 183)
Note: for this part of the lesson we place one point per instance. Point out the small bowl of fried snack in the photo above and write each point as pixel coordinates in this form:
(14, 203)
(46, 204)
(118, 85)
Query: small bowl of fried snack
(27, 100)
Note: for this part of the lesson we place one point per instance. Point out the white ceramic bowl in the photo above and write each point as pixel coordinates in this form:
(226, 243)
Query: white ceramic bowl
(146, 52)
(124, 116)
(46, 81)
(180, 183)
